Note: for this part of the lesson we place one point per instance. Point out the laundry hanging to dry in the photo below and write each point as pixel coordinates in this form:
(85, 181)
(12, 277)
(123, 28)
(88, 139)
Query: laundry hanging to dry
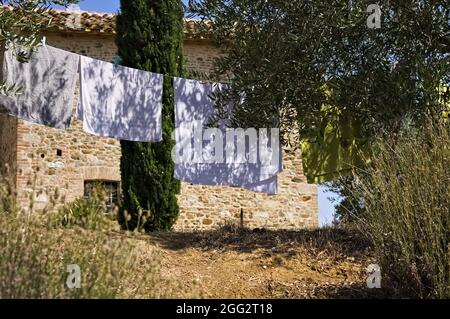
(47, 84)
(193, 109)
(126, 104)
(120, 102)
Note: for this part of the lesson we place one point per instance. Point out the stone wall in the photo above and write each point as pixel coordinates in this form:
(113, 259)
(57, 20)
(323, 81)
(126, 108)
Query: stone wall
(294, 207)
(199, 54)
(51, 160)
(61, 160)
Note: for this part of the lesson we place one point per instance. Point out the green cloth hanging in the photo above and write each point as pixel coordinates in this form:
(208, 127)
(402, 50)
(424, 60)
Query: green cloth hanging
(337, 145)
(334, 148)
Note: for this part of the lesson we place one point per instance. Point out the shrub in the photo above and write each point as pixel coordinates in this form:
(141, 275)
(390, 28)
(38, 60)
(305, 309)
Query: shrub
(88, 213)
(34, 256)
(7, 198)
(406, 196)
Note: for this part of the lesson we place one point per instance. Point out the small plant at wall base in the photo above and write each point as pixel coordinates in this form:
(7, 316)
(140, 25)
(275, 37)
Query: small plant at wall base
(150, 37)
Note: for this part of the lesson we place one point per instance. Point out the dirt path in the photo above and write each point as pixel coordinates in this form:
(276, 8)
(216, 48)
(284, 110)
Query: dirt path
(232, 263)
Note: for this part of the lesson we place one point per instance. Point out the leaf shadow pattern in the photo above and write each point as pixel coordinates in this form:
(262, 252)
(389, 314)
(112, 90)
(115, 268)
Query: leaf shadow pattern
(210, 165)
(121, 102)
(48, 86)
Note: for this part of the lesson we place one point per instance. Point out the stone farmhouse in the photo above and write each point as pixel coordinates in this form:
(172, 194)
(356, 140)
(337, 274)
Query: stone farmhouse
(40, 160)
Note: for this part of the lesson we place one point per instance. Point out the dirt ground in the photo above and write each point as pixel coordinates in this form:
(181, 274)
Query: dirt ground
(237, 263)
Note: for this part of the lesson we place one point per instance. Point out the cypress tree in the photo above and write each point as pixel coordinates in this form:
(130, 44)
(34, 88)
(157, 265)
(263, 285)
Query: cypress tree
(150, 37)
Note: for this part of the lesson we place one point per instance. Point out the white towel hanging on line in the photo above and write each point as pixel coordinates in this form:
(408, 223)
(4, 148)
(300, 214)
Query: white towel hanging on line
(120, 102)
(196, 158)
(47, 84)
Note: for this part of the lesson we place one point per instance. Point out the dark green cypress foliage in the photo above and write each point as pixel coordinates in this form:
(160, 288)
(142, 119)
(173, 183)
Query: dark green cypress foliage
(150, 37)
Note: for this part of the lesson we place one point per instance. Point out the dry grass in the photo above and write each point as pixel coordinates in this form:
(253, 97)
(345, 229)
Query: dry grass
(231, 262)
(406, 231)
(406, 193)
(34, 255)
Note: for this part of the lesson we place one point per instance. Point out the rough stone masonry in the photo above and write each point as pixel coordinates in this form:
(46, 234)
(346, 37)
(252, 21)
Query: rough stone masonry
(41, 160)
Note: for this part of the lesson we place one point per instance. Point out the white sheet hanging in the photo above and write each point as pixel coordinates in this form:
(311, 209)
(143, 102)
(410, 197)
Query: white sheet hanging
(47, 84)
(201, 162)
(120, 102)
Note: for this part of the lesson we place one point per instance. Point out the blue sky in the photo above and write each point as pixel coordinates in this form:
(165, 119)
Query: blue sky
(103, 6)
(326, 208)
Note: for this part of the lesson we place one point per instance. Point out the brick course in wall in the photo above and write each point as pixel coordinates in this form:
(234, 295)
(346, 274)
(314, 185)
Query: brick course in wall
(47, 160)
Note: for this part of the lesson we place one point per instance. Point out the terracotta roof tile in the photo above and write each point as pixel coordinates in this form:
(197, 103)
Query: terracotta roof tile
(94, 22)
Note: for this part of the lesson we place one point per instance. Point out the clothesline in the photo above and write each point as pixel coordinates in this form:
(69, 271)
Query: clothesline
(117, 61)
(126, 104)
